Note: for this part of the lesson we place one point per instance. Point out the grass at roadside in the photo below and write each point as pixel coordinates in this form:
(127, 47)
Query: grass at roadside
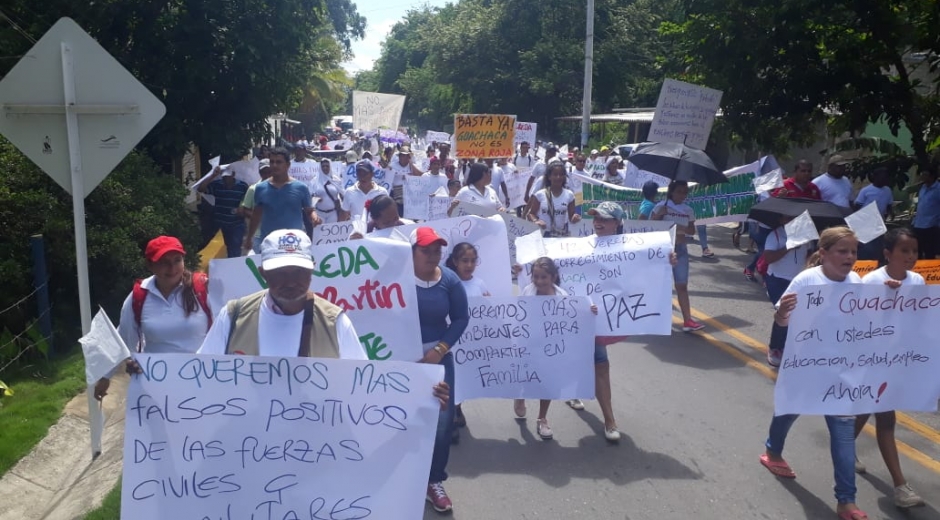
(110, 508)
(41, 391)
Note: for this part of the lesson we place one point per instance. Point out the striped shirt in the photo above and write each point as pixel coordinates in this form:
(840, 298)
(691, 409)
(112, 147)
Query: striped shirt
(227, 201)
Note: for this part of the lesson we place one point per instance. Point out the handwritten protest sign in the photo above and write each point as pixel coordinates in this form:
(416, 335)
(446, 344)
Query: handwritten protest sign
(332, 232)
(929, 269)
(684, 114)
(372, 110)
(516, 184)
(437, 137)
(263, 437)
(487, 234)
(417, 194)
(438, 206)
(628, 277)
(534, 347)
(715, 204)
(854, 349)
(484, 136)
(525, 132)
(373, 281)
(515, 227)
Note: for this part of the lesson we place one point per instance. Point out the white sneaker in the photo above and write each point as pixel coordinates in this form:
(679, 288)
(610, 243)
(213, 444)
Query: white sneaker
(904, 497)
(859, 467)
(612, 434)
(575, 403)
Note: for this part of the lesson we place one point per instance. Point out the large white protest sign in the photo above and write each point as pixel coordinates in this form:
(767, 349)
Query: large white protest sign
(488, 235)
(417, 194)
(627, 276)
(372, 110)
(525, 132)
(534, 347)
(636, 178)
(438, 207)
(373, 280)
(516, 184)
(330, 233)
(227, 437)
(854, 349)
(515, 227)
(437, 137)
(684, 114)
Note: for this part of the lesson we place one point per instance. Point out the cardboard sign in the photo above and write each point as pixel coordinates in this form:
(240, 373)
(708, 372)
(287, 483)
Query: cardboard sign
(437, 137)
(265, 437)
(331, 233)
(684, 114)
(533, 347)
(854, 349)
(525, 132)
(484, 136)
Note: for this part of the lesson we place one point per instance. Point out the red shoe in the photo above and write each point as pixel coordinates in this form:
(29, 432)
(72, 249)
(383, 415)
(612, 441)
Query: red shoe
(749, 275)
(691, 325)
(438, 498)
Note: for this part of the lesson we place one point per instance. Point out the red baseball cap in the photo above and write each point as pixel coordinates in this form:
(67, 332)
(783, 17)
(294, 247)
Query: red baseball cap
(425, 236)
(162, 245)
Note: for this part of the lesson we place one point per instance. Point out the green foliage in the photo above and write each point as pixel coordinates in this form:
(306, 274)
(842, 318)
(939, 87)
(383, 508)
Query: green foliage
(110, 508)
(132, 205)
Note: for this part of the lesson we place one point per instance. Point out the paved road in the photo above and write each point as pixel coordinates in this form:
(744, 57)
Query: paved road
(694, 410)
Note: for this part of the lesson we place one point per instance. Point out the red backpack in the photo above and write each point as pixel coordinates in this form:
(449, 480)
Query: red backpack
(200, 287)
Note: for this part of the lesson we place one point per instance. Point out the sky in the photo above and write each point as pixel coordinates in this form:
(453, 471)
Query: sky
(380, 16)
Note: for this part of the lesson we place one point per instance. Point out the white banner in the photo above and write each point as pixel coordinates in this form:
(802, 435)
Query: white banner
(373, 280)
(854, 349)
(534, 347)
(332, 233)
(515, 227)
(525, 132)
(684, 114)
(516, 184)
(437, 137)
(628, 277)
(205, 437)
(417, 194)
(372, 110)
(487, 234)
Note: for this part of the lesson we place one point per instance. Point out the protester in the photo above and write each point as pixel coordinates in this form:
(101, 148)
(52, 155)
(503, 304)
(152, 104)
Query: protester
(833, 185)
(329, 205)
(926, 221)
(453, 187)
(523, 159)
(248, 204)
(355, 197)
(383, 213)
(400, 170)
(538, 172)
(167, 312)
(650, 194)
(508, 170)
(545, 280)
(434, 168)
(443, 315)
(879, 193)
(783, 265)
(552, 208)
(228, 192)
(497, 182)
(478, 190)
(675, 210)
(703, 241)
(831, 264)
(612, 172)
(280, 202)
(901, 254)
(303, 169)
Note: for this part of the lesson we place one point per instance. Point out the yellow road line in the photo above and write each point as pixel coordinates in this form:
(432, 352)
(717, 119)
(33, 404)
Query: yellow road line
(905, 420)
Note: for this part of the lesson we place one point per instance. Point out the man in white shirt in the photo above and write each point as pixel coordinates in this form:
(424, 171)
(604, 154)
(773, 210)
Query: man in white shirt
(272, 322)
(833, 185)
(497, 182)
(523, 160)
(878, 191)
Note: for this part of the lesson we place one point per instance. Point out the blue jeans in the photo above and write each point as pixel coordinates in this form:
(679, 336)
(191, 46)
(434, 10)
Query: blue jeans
(841, 448)
(702, 236)
(775, 289)
(445, 425)
(760, 238)
(233, 235)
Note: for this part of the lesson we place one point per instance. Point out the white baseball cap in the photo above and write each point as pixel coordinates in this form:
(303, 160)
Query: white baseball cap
(286, 248)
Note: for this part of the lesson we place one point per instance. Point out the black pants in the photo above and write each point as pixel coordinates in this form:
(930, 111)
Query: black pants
(928, 242)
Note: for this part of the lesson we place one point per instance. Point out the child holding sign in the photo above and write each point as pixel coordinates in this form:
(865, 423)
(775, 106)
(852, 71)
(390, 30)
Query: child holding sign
(675, 210)
(901, 253)
(831, 264)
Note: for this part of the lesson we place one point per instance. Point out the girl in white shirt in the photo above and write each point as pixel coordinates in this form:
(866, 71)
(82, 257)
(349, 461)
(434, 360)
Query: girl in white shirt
(782, 266)
(832, 263)
(901, 254)
(552, 208)
(478, 190)
(674, 209)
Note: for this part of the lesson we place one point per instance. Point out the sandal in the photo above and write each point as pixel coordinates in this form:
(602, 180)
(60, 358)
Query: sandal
(707, 253)
(544, 431)
(780, 469)
(575, 404)
(853, 514)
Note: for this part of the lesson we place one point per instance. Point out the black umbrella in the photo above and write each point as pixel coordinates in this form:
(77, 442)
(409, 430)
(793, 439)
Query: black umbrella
(824, 214)
(676, 161)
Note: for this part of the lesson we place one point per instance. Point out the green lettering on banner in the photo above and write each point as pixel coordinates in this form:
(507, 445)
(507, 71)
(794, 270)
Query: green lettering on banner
(374, 347)
(350, 262)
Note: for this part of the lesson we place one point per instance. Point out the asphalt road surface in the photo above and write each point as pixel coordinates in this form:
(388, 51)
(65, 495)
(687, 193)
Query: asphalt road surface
(694, 411)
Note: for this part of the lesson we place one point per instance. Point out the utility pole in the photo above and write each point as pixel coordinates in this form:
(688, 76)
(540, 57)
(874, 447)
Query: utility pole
(588, 75)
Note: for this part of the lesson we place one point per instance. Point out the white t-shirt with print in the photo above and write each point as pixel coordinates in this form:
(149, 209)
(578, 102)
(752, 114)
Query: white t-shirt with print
(399, 172)
(814, 276)
(475, 287)
(681, 214)
(793, 262)
(560, 206)
(487, 199)
(354, 199)
(880, 276)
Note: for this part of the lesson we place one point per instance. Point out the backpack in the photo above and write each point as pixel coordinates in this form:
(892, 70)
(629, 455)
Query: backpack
(762, 264)
(200, 287)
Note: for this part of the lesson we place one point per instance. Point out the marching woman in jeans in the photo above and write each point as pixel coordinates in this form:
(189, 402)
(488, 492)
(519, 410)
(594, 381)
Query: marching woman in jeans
(441, 298)
(831, 264)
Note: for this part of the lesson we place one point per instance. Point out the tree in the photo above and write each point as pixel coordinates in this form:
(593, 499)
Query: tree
(784, 63)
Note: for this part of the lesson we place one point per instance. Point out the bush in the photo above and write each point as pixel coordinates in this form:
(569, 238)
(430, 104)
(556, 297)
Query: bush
(135, 203)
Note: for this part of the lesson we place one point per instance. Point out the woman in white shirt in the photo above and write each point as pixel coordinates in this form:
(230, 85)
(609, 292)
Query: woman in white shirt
(167, 312)
(782, 267)
(478, 190)
(552, 208)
